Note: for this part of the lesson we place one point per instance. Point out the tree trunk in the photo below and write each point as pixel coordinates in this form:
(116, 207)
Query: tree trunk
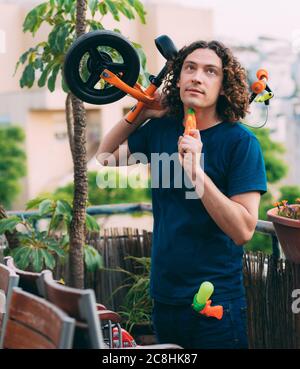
(70, 123)
(77, 231)
(12, 238)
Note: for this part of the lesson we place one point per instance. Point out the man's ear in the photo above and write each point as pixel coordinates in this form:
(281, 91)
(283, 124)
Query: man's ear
(178, 83)
(222, 92)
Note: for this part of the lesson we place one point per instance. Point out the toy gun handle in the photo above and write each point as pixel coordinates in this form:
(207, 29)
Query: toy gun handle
(214, 311)
(190, 121)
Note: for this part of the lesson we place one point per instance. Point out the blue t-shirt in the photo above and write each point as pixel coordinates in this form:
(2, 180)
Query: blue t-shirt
(188, 247)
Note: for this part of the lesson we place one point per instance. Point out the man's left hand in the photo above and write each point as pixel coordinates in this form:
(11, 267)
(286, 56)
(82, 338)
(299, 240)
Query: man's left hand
(189, 152)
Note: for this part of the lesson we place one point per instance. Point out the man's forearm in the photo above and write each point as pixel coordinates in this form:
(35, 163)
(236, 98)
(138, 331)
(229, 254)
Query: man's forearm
(232, 217)
(118, 134)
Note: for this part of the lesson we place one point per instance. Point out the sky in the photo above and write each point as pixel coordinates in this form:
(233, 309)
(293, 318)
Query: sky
(249, 19)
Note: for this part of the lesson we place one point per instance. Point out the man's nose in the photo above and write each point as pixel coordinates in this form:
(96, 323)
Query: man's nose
(198, 77)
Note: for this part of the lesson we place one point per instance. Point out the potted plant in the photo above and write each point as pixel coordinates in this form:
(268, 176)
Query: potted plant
(39, 249)
(137, 307)
(286, 221)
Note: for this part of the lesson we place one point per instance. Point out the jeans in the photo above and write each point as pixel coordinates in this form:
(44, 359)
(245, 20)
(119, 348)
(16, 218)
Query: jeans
(182, 325)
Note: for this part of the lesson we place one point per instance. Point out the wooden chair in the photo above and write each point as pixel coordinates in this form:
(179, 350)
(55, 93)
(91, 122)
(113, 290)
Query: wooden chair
(8, 280)
(81, 305)
(28, 280)
(34, 323)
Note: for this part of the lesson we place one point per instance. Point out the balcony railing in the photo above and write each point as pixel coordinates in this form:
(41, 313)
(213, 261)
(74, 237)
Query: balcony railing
(262, 226)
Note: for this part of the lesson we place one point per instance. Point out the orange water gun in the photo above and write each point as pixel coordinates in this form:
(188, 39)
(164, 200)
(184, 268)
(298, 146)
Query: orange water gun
(190, 121)
(259, 86)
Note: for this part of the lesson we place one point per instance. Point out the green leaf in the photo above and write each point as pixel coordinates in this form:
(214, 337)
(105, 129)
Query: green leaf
(88, 259)
(21, 256)
(141, 54)
(52, 38)
(35, 18)
(9, 224)
(61, 37)
(22, 59)
(30, 20)
(64, 85)
(38, 63)
(37, 260)
(64, 208)
(92, 224)
(69, 4)
(28, 76)
(52, 79)
(94, 25)
(49, 259)
(138, 6)
(125, 9)
(103, 8)
(43, 78)
(56, 248)
(34, 203)
(93, 6)
(93, 260)
(45, 207)
(113, 10)
(65, 240)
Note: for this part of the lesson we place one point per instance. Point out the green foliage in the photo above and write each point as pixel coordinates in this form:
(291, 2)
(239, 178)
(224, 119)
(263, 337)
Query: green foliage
(108, 195)
(12, 163)
(289, 193)
(276, 169)
(39, 249)
(44, 61)
(137, 307)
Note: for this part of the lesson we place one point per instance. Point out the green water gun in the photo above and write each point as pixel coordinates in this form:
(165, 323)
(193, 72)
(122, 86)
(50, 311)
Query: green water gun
(202, 304)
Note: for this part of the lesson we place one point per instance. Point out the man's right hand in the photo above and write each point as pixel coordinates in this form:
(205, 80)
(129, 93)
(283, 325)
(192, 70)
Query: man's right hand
(149, 113)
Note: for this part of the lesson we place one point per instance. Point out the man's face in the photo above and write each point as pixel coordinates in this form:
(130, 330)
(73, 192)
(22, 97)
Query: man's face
(200, 80)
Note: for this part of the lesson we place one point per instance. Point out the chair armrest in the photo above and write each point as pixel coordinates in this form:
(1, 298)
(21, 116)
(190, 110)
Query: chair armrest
(109, 315)
(100, 307)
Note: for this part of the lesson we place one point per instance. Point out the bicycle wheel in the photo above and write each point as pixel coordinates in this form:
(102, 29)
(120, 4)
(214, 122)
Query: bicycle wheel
(89, 55)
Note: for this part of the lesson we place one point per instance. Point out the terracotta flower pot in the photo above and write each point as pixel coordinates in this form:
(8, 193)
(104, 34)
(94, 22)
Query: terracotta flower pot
(288, 233)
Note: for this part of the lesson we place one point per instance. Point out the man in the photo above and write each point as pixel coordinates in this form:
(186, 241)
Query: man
(200, 238)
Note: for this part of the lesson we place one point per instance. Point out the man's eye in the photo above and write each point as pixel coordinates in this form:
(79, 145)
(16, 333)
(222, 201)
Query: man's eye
(189, 67)
(211, 71)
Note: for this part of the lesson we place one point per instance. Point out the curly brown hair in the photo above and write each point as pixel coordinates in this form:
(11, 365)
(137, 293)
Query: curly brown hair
(231, 106)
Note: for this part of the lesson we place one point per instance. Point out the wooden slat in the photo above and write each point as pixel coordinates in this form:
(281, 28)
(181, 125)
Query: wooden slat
(36, 314)
(4, 278)
(19, 336)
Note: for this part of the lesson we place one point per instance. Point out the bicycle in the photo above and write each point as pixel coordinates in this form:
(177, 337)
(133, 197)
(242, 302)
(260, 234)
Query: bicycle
(102, 66)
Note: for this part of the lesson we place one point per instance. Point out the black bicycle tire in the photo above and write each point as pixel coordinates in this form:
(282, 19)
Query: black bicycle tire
(77, 50)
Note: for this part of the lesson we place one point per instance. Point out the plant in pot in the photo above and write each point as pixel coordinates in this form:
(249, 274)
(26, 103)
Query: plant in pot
(39, 249)
(137, 307)
(286, 221)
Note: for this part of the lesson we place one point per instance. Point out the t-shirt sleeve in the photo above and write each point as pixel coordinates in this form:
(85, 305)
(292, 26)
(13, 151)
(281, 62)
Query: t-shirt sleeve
(139, 143)
(247, 167)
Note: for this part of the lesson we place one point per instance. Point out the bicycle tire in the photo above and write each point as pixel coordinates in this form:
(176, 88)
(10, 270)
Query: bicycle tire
(89, 43)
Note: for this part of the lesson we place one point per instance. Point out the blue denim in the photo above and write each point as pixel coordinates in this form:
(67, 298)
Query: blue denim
(182, 325)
